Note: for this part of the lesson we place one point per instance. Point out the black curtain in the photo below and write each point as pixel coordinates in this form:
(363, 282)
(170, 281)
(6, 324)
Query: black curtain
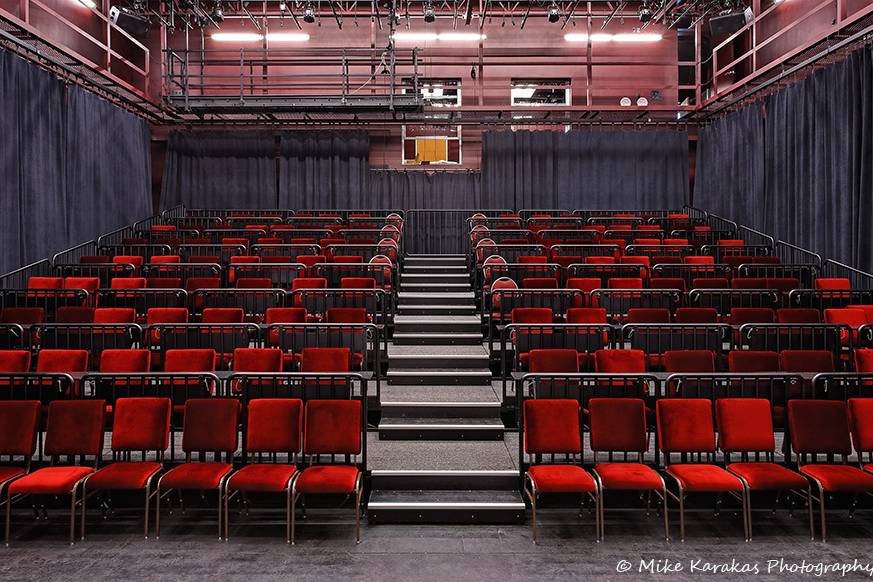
(585, 169)
(72, 165)
(220, 170)
(325, 169)
(425, 189)
(816, 158)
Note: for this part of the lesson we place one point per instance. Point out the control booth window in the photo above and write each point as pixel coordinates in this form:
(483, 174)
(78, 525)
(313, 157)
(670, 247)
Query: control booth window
(435, 92)
(425, 145)
(541, 92)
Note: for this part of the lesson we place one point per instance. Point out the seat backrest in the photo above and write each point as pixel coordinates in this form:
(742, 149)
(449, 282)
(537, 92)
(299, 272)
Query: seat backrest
(532, 315)
(14, 361)
(743, 315)
(222, 315)
(268, 360)
(807, 361)
(798, 315)
(864, 360)
(274, 425)
(710, 283)
(194, 283)
(861, 417)
(853, 317)
(286, 315)
(504, 283)
(539, 283)
(699, 260)
(135, 260)
(244, 259)
(165, 259)
(309, 283)
(115, 315)
(357, 283)
(328, 360)
(584, 284)
(551, 425)
(749, 283)
(74, 427)
(668, 283)
(196, 360)
(346, 315)
(127, 283)
(210, 424)
(125, 361)
(586, 315)
(689, 362)
(19, 419)
(533, 260)
(685, 425)
(819, 427)
(141, 424)
(648, 315)
(74, 314)
(617, 424)
(833, 283)
(624, 283)
(254, 283)
(696, 315)
(45, 282)
(166, 315)
(163, 283)
(620, 361)
(332, 427)
(22, 315)
(62, 361)
(744, 424)
(557, 361)
(753, 361)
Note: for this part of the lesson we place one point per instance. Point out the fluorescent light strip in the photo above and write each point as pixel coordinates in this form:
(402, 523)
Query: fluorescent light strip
(461, 36)
(414, 36)
(89, 3)
(236, 37)
(433, 36)
(287, 37)
(605, 37)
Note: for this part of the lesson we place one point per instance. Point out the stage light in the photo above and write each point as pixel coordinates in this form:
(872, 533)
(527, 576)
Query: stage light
(429, 14)
(283, 7)
(415, 36)
(236, 37)
(218, 13)
(554, 13)
(576, 37)
(601, 37)
(625, 102)
(642, 102)
(461, 36)
(637, 37)
(645, 13)
(605, 37)
(309, 13)
(89, 3)
(287, 37)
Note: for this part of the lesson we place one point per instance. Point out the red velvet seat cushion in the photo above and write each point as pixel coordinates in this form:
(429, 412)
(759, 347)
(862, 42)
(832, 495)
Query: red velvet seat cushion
(632, 476)
(704, 477)
(51, 481)
(125, 475)
(769, 476)
(869, 467)
(266, 477)
(562, 479)
(7, 473)
(839, 478)
(327, 479)
(195, 476)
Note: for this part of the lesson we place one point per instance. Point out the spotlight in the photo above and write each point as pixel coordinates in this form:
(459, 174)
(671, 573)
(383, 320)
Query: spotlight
(645, 13)
(625, 102)
(217, 13)
(429, 14)
(642, 102)
(473, 72)
(282, 6)
(309, 13)
(554, 13)
(186, 4)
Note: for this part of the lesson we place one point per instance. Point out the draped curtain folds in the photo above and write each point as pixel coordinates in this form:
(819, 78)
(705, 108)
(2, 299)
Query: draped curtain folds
(585, 169)
(73, 166)
(807, 175)
(220, 170)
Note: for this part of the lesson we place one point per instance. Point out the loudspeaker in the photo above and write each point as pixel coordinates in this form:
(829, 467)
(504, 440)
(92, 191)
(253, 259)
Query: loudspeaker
(726, 24)
(129, 21)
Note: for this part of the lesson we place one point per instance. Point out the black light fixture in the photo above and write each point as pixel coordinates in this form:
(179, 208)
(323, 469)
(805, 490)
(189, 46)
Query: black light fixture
(282, 6)
(645, 13)
(554, 13)
(218, 13)
(309, 13)
(429, 14)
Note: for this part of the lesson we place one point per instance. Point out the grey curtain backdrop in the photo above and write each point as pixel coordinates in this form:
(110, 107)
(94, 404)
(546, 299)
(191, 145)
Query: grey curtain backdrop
(423, 189)
(220, 170)
(325, 169)
(73, 165)
(799, 165)
(585, 169)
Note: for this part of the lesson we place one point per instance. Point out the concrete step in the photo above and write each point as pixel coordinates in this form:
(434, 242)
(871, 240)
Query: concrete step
(428, 393)
(435, 260)
(423, 480)
(440, 377)
(445, 506)
(436, 338)
(441, 429)
(405, 298)
(407, 277)
(437, 324)
(434, 286)
(436, 309)
(440, 410)
(431, 361)
(431, 268)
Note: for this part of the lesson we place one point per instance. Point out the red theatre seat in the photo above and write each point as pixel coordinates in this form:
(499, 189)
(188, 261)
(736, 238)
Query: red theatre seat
(696, 315)
(552, 427)
(19, 419)
(125, 361)
(14, 361)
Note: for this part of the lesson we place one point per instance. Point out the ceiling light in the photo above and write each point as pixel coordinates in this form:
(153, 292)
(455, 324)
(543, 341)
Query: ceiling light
(605, 37)
(429, 14)
(309, 13)
(601, 37)
(89, 3)
(236, 37)
(461, 36)
(287, 37)
(637, 37)
(576, 37)
(554, 13)
(642, 102)
(625, 102)
(283, 6)
(414, 36)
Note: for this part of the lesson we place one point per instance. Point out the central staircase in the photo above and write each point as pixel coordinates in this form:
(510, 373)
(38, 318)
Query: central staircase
(440, 389)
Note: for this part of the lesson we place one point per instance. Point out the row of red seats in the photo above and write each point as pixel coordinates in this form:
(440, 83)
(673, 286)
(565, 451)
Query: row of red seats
(685, 427)
(75, 428)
